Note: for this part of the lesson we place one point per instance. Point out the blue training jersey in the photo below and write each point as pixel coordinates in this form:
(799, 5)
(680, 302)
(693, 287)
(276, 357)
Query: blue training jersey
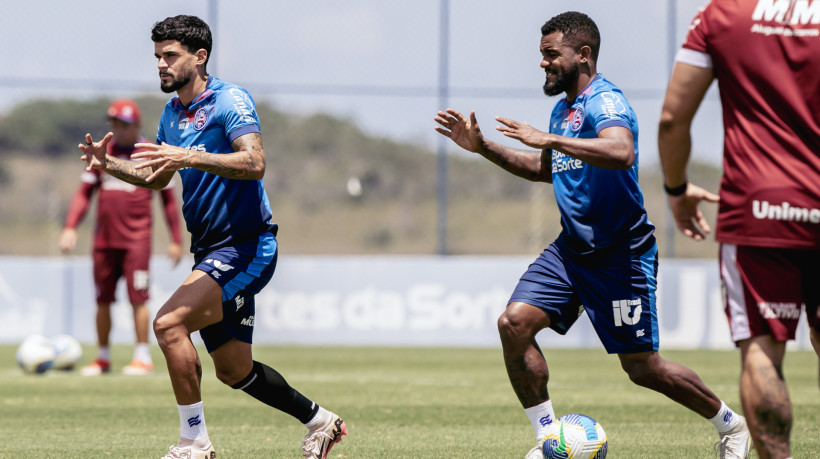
(218, 211)
(599, 207)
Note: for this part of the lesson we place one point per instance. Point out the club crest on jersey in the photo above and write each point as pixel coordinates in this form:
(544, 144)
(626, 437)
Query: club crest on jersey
(200, 119)
(577, 119)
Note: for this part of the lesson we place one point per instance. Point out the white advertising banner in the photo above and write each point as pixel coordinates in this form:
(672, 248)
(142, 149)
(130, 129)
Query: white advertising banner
(359, 301)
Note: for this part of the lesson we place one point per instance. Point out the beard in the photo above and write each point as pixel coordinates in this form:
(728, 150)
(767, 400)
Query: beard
(562, 82)
(176, 82)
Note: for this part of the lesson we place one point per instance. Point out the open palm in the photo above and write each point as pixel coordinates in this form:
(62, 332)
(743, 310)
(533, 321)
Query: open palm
(461, 130)
(94, 152)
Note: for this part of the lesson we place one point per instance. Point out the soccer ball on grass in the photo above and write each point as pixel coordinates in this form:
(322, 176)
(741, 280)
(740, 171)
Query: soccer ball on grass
(68, 352)
(575, 436)
(36, 354)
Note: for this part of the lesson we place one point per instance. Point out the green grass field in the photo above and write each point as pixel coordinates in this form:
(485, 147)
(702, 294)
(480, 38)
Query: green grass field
(398, 403)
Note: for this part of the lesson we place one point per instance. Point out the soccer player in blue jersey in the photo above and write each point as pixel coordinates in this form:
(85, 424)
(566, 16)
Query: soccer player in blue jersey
(605, 260)
(210, 133)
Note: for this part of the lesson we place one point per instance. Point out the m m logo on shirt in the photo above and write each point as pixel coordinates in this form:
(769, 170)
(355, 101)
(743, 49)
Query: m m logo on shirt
(781, 11)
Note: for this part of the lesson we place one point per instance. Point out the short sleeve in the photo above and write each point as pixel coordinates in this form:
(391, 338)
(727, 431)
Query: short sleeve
(697, 37)
(237, 111)
(695, 50)
(161, 129)
(607, 109)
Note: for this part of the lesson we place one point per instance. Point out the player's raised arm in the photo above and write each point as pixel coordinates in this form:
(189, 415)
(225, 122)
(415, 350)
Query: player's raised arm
(96, 157)
(531, 165)
(247, 162)
(612, 149)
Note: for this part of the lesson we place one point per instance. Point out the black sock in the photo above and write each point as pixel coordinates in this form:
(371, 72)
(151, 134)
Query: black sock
(269, 387)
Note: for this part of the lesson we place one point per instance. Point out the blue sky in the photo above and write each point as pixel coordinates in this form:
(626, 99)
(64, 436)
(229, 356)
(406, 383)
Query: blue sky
(376, 62)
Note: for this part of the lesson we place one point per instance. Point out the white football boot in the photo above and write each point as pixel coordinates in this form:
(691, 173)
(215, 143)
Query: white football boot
(191, 452)
(322, 437)
(736, 443)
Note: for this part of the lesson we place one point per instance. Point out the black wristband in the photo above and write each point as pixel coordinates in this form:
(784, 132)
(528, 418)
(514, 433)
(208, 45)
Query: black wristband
(677, 191)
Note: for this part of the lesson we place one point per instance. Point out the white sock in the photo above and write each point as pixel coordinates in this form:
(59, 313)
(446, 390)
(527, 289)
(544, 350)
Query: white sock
(725, 419)
(540, 417)
(192, 422)
(104, 353)
(142, 352)
(320, 416)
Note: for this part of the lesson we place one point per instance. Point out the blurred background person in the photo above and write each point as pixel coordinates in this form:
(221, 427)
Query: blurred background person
(122, 239)
(764, 56)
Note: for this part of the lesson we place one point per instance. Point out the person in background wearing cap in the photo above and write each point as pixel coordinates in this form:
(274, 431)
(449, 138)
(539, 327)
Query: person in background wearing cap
(122, 239)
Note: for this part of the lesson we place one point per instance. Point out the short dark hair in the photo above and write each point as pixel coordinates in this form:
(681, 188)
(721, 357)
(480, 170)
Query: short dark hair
(578, 29)
(190, 31)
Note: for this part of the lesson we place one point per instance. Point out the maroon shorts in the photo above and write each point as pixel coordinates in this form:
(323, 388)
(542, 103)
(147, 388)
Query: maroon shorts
(111, 264)
(766, 289)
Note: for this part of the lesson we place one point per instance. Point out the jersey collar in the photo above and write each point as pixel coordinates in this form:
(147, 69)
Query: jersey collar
(198, 100)
(584, 92)
(588, 87)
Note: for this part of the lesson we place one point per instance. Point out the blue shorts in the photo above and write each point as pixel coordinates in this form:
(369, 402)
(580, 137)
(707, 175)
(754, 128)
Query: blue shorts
(242, 270)
(616, 289)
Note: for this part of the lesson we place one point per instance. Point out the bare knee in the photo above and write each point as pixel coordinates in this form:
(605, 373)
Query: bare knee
(507, 325)
(160, 326)
(168, 331)
(229, 375)
(515, 337)
(642, 369)
(762, 355)
(233, 362)
(639, 373)
(521, 322)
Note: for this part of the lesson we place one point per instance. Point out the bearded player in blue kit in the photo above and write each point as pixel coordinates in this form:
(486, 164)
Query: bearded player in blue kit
(605, 260)
(210, 133)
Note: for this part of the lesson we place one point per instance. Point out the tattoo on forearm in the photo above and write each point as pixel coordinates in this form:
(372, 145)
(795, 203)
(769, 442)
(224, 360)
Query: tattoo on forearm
(246, 163)
(125, 171)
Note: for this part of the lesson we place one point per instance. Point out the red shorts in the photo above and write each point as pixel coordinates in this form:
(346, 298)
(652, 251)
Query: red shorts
(111, 264)
(766, 289)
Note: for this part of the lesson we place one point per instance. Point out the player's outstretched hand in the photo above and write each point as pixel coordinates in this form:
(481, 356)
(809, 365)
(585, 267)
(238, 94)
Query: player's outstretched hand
(161, 158)
(464, 132)
(94, 152)
(523, 132)
(687, 214)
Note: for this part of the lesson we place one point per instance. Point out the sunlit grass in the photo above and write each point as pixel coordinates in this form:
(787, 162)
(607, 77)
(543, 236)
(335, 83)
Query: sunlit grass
(398, 403)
